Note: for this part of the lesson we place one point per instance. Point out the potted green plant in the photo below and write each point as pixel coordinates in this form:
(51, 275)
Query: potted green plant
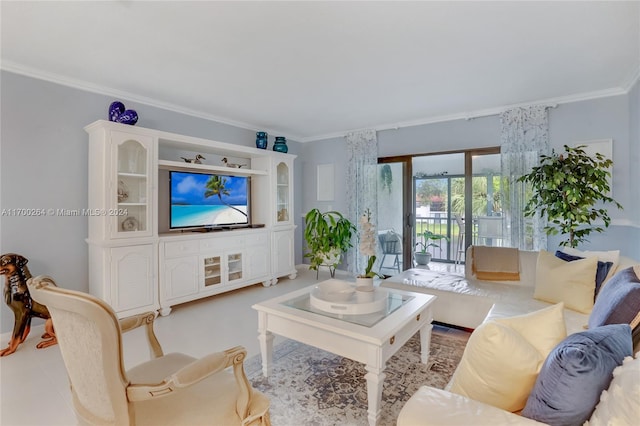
(566, 188)
(423, 257)
(327, 235)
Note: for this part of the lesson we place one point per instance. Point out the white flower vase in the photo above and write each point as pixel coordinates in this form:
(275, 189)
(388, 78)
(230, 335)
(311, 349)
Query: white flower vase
(364, 290)
(364, 284)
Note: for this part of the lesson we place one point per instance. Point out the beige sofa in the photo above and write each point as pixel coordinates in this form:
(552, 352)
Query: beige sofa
(465, 301)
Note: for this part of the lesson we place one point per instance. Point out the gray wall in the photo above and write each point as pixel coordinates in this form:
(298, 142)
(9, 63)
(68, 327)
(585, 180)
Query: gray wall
(43, 164)
(613, 117)
(43, 156)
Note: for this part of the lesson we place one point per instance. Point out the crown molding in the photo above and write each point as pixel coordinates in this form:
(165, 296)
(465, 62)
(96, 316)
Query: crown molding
(103, 90)
(631, 80)
(132, 97)
(552, 102)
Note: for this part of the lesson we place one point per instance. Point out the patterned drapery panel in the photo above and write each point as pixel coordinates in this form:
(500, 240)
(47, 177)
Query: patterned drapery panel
(361, 187)
(524, 137)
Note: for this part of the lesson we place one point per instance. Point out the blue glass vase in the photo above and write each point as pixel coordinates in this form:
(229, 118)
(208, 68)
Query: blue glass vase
(281, 144)
(261, 140)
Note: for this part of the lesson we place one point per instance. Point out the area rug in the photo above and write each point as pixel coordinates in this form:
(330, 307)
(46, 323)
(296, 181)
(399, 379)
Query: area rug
(312, 387)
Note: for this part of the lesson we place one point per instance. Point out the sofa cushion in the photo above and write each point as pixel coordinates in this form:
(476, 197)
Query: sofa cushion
(502, 358)
(575, 373)
(601, 273)
(619, 301)
(620, 403)
(612, 256)
(431, 406)
(568, 282)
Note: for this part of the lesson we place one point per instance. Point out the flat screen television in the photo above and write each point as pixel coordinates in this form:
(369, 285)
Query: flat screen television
(208, 200)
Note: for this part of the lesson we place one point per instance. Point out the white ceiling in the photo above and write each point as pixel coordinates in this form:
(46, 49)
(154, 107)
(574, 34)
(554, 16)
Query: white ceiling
(311, 70)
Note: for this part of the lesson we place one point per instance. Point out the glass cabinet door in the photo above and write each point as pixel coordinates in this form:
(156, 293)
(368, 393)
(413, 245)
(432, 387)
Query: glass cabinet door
(283, 195)
(234, 266)
(212, 271)
(132, 212)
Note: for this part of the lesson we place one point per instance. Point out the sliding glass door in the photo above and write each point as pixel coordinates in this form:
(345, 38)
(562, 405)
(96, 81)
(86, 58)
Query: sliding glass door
(440, 204)
(393, 226)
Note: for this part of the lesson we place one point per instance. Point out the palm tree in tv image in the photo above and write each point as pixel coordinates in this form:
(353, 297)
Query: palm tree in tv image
(216, 186)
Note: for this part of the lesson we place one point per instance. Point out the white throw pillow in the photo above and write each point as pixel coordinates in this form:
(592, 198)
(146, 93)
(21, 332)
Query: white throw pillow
(620, 404)
(568, 282)
(503, 357)
(612, 256)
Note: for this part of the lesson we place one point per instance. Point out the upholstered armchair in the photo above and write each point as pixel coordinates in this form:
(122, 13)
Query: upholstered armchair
(172, 389)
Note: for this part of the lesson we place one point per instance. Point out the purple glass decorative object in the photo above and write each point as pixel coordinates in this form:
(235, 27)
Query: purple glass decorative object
(115, 110)
(128, 117)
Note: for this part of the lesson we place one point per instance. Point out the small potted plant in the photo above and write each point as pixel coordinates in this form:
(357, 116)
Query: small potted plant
(423, 257)
(327, 235)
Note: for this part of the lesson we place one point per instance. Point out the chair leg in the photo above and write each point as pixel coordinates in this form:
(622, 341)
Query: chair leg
(382, 264)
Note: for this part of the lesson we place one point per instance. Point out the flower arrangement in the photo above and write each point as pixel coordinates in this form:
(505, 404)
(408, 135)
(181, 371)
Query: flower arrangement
(368, 244)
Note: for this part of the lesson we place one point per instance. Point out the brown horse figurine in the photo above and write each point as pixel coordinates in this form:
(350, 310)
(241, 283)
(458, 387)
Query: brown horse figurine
(17, 297)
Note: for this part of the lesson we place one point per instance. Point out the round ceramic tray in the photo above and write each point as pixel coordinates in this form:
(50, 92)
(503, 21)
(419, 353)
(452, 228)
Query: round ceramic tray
(340, 297)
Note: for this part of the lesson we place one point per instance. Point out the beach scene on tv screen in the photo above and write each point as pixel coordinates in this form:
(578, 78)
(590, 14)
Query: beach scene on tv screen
(208, 200)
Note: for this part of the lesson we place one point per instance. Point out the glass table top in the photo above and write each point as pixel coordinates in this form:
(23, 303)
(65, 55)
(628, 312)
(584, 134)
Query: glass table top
(394, 302)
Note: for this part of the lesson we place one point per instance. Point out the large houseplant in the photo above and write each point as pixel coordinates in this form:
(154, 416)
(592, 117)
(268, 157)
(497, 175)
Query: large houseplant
(327, 235)
(423, 257)
(566, 189)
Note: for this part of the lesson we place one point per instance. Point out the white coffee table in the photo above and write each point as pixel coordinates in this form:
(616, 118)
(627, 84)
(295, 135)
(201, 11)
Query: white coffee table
(369, 338)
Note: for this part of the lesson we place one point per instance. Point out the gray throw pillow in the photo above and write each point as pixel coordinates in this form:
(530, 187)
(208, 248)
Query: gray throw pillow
(618, 302)
(575, 373)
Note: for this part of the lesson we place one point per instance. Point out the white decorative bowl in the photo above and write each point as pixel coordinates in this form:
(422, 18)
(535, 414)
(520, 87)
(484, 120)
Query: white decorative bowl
(339, 297)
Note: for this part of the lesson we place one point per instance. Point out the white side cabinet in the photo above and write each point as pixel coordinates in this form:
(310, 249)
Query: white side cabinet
(121, 214)
(136, 262)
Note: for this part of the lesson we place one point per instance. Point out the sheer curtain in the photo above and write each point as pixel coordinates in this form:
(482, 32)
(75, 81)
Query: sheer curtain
(361, 186)
(524, 137)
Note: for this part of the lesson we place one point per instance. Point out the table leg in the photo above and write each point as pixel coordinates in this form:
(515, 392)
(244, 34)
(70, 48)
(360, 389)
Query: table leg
(266, 344)
(375, 378)
(425, 342)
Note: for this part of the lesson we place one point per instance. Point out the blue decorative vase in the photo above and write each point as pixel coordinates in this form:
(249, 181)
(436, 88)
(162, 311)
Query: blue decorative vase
(115, 110)
(281, 144)
(261, 140)
(128, 117)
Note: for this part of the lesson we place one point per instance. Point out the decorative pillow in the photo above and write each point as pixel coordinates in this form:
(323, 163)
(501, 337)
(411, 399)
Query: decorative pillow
(568, 282)
(575, 373)
(601, 272)
(619, 301)
(620, 404)
(503, 357)
(612, 256)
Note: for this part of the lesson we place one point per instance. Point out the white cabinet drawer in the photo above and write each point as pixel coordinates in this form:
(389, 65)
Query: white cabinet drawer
(217, 244)
(181, 248)
(256, 239)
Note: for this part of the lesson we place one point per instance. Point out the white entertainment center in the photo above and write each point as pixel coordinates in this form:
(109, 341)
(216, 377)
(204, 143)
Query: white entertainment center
(137, 263)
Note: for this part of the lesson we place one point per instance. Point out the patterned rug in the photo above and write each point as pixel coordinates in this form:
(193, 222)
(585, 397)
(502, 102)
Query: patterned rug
(313, 387)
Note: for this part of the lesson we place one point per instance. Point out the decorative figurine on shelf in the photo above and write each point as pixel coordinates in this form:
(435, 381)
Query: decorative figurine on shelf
(119, 114)
(234, 165)
(281, 144)
(16, 295)
(261, 140)
(194, 160)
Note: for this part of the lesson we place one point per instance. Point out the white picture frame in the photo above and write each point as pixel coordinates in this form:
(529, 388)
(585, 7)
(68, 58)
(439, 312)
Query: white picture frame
(325, 182)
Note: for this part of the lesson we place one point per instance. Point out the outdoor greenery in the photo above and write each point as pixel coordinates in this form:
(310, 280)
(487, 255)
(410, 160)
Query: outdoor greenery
(566, 189)
(436, 188)
(327, 235)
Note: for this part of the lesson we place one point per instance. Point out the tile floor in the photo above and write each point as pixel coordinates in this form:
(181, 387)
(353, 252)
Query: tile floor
(33, 383)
